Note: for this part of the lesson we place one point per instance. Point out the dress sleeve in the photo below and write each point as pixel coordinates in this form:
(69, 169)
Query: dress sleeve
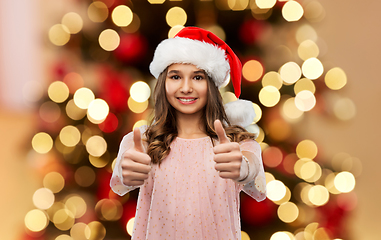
(256, 188)
(116, 182)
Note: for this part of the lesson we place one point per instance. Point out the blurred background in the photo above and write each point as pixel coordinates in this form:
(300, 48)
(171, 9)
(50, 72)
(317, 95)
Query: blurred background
(74, 79)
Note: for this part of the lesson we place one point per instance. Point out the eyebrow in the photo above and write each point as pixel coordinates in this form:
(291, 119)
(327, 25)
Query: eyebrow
(195, 72)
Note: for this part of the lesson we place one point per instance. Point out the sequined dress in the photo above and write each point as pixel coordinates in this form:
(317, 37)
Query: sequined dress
(185, 198)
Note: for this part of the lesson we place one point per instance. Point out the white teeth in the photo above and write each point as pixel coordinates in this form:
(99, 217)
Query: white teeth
(187, 100)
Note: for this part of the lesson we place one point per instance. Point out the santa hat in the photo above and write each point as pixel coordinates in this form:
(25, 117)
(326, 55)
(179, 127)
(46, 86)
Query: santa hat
(208, 52)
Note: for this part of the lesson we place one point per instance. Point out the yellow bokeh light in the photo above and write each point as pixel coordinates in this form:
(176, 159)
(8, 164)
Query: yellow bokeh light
(98, 162)
(228, 97)
(78, 231)
(258, 112)
(272, 79)
(95, 230)
(73, 111)
(314, 11)
(329, 183)
(63, 237)
(109, 209)
(176, 16)
(305, 100)
(276, 190)
(306, 32)
(83, 97)
(252, 70)
(344, 109)
(298, 166)
(218, 31)
(137, 107)
(140, 91)
(63, 219)
(265, 4)
(98, 110)
(59, 35)
(304, 84)
(174, 30)
(76, 205)
(109, 39)
(335, 78)
(42, 142)
(73, 22)
(304, 194)
(292, 11)
(310, 171)
(261, 136)
(134, 25)
(122, 16)
(97, 11)
(345, 182)
(96, 146)
(58, 91)
(269, 177)
(43, 198)
(280, 236)
(290, 112)
(36, 220)
(290, 72)
(312, 68)
(238, 5)
(139, 124)
(269, 96)
(318, 195)
(306, 149)
(308, 49)
(70, 136)
(54, 181)
(288, 212)
(130, 226)
(286, 197)
(156, 1)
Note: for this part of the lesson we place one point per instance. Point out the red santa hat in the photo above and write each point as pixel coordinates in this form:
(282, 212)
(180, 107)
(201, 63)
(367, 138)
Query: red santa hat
(206, 51)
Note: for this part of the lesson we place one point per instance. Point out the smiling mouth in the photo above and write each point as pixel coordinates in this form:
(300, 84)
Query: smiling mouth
(187, 100)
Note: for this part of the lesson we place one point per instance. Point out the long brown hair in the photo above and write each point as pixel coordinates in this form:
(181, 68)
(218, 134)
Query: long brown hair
(162, 130)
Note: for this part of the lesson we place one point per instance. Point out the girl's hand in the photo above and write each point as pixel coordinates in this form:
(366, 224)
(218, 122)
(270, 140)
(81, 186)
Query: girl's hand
(135, 163)
(228, 156)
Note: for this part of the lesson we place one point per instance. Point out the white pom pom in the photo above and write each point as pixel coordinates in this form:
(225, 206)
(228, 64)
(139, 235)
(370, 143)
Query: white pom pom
(240, 112)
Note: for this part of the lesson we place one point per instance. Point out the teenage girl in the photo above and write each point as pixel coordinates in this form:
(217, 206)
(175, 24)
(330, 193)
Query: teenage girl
(195, 157)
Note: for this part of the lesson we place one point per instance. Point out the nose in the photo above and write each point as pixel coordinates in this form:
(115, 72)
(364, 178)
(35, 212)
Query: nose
(186, 86)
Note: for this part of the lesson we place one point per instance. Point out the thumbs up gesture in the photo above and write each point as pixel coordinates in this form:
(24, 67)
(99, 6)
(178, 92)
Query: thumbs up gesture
(135, 163)
(228, 156)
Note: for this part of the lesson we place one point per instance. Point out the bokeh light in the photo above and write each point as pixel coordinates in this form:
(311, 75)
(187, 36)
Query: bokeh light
(272, 79)
(70, 136)
(269, 96)
(73, 22)
(345, 182)
(276, 190)
(77, 205)
(290, 112)
(54, 181)
(344, 109)
(318, 195)
(36, 220)
(176, 16)
(59, 35)
(83, 97)
(130, 226)
(265, 4)
(252, 70)
(96, 146)
(58, 91)
(312, 68)
(335, 78)
(43, 198)
(308, 49)
(272, 156)
(109, 39)
(174, 30)
(139, 124)
(280, 236)
(304, 84)
(288, 212)
(140, 91)
(137, 107)
(97, 111)
(97, 231)
(292, 11)
(305, 100)
(290, 72)
(238, 5)
(306, 149)
(97, 11)
(122, 16)
(42, 142)
(306, 32)
(73, 111)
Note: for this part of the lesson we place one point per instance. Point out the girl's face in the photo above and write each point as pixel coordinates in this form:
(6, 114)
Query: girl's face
(186, 88)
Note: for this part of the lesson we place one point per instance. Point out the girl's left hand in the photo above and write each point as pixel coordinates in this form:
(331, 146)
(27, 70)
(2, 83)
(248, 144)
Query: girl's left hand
(228, 156)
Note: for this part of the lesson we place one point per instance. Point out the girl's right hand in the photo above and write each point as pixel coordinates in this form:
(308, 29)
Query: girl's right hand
(135, 163)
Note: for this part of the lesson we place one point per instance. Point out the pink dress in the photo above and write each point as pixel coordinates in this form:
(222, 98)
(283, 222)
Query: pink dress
(185, 198)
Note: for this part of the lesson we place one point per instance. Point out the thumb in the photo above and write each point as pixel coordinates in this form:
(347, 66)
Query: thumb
(138, 144)
(222, 138)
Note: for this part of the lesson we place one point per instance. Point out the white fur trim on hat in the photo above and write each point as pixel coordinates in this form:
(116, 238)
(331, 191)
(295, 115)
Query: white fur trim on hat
(203, 55)
(240, 112)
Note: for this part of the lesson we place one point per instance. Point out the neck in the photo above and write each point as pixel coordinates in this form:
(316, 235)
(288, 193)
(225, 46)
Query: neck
(190, 126)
